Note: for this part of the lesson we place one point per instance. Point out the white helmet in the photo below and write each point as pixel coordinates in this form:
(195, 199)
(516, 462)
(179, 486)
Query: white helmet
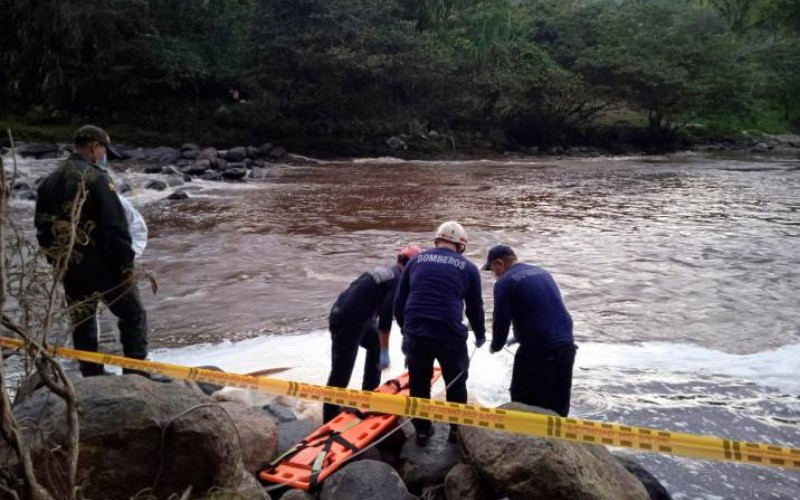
(453, 232)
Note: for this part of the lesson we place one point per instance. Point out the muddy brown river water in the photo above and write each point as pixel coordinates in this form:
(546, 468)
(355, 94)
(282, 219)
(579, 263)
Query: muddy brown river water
(682, 274)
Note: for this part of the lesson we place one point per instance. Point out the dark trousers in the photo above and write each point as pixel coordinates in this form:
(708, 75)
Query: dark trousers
(453, 359)
(123, 301)
(544, 379)
(345, 341)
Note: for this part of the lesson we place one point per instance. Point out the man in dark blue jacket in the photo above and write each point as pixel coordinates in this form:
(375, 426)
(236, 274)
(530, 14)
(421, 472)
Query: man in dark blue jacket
(429, 307)
(362, 316)
(528, 297)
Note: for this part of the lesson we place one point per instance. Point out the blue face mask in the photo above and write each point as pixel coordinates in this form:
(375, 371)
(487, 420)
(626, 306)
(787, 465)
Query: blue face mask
(102, 162)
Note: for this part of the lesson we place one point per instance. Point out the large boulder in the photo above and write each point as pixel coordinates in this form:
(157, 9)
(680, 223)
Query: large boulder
(277, 153)
(297, 495)
(365, 479)
(524, 467)
(190, 154)
(235, 155)
(422, 466)
(257, 434)
(39, 151)
(264, 149)
(197, 168)
(654, 488)
(153, 169)
(156, 184)
(234, 174)
(209, 154)
(463, 482)
(136, 434)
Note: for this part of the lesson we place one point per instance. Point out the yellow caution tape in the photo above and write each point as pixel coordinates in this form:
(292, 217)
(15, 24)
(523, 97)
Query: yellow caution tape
(529, 424)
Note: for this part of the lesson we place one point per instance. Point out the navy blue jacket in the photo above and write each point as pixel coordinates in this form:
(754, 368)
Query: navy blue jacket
(369, 295)
(431, 295)
(528, 296)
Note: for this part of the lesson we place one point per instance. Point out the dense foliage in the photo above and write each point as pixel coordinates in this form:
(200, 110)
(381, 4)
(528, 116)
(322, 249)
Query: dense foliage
(505, 73)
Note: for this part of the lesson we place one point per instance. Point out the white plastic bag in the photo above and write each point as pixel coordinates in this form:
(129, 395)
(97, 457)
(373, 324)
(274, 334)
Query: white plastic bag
(136, 226)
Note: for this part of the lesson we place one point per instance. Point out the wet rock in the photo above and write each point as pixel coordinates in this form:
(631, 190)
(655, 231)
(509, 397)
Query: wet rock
(209, 154)
(156, 184)
(171, 170)
(211, 175)
(257, 435)
(264, 149)
(395, 142)
(21, 185)
(297, 495)
(761, 147)
(423, 466)
(187, 178)
(178, 195)
(183, 163)
(463, 482)
(257, 173)
(124, 188)
(164, 155)
(433, 493)
(153, 169)
(234, 174)
(128, 424)
(277, 153)
(292, 432)
(197, 168)
(39, 151)
(280, 413)
(540, 468)
(31, 196)
(190, 154)
(365, 479)
(188, 146)
(222, 165)
(654, 488)
(252, 152)
(236, 155)
(209, 389)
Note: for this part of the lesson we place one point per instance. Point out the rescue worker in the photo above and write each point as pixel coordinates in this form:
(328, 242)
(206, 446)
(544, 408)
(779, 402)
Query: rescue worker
(362, 316)
(100, 267)
(527, 296)
(429, 306)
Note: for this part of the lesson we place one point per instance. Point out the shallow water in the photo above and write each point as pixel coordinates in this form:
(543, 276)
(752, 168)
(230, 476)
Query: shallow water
(681, 274)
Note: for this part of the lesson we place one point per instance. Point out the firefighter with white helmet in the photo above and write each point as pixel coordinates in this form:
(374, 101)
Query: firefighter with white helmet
(362, 317)
(453, 232)
(429, 307)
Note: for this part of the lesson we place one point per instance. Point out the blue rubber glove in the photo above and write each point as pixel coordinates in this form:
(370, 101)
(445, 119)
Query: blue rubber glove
(479, 341)
(384, 360)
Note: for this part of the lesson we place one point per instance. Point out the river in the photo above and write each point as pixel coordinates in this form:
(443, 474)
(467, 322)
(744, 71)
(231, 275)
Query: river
(681, 272)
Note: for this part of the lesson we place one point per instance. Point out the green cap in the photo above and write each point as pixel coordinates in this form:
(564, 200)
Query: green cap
(90, 133)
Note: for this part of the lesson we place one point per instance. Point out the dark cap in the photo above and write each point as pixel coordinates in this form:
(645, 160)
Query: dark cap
(92, 133)
(497, 252)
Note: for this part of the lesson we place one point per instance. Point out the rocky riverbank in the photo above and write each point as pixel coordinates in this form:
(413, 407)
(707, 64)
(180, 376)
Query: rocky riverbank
(140, 437)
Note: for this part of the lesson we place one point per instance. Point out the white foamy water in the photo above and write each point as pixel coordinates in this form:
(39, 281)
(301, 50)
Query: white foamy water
(309, 355)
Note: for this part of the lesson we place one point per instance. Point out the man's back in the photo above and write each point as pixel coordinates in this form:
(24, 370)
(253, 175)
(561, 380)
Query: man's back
(102, 229)
(528, 296)
(434, 288)
(370, 293)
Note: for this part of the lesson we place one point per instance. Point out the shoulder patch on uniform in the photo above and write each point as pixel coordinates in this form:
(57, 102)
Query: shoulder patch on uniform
(382, 274)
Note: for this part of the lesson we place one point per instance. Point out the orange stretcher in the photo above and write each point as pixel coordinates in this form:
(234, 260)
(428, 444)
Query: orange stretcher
(309, 462)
